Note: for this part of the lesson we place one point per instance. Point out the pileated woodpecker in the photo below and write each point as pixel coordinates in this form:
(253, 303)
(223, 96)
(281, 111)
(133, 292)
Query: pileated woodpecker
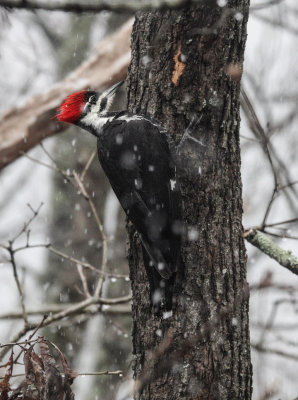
(137, 156)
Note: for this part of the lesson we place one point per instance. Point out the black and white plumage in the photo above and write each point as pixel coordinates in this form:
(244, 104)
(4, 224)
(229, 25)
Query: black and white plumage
(137, 156)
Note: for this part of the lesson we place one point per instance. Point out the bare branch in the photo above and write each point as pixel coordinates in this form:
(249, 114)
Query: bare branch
(84, 264)
(257, 129)
(68, 311)
(269, 151)
(10, 249)
(75, 308)
(89, 162)
(98, 288)
(280, 235)
(118, 372)
(277, 23)
(289, 221)
(28, 223)
(80, 6)
(16, 277)
(79, 184)
(83, 280)
(274, 351)
(266, 4)
(271, 201)
(19, 335)
(288, 185)
(272, 316)
(54, 308)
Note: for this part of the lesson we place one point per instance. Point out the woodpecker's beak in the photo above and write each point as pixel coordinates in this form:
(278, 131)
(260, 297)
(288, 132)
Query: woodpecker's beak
(109, 92)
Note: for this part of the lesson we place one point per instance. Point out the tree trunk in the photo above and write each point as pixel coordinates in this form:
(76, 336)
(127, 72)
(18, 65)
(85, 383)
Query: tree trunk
(184, 63)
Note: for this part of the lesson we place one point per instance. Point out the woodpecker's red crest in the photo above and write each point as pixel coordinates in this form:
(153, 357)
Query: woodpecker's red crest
(71, 108)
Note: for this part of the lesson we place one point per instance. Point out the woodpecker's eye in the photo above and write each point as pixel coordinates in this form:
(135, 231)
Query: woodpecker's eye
(92, 99)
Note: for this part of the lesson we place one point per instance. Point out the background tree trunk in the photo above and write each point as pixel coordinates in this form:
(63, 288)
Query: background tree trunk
(188, 62)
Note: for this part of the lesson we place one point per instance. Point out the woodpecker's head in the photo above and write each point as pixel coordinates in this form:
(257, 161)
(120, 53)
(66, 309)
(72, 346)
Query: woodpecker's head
(86, 107)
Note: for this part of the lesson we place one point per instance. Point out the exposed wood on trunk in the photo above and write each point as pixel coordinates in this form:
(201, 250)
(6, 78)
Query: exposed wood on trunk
(202, 351)
(179, 66)
(23, 127)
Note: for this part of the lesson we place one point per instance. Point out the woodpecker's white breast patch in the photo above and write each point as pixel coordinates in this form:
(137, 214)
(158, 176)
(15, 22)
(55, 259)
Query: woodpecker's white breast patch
(95, 120)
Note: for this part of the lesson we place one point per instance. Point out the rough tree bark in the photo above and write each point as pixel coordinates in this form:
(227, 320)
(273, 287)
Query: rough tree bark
(188, 62)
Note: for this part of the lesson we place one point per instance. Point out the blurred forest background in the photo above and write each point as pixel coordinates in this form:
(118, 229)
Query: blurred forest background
(38, 49)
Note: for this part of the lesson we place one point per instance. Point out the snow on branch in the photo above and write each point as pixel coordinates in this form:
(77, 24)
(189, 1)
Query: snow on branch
(267, 246)
(110, 309)
(23, 127)
(80, 6)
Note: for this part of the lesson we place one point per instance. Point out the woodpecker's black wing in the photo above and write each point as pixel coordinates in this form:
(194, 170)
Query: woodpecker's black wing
(138, 163)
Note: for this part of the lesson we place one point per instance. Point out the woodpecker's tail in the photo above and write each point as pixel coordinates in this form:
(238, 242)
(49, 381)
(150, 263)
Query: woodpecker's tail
(161, 290)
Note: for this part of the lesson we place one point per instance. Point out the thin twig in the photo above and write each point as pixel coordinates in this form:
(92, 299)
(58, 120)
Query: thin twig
(79, 184)
(269, 151)
(288, 221)
(259, 132)
(83, 280)
(18, 343)
(257, 129)
(20, 334)
(270, 321)
(69, 311)
(269, 206)
(276, 327)
(37, 327)
(99, 373)
(277, 24)
(250, 139)
(99, 285)
(290, 184)
(16, 277)
(69, 258)
(262, 349)
(281, 236)
(16, 338)
(38, 161)
(119, 373)
(266, 4)
(91, 158)
(54, 308)
(28, 223)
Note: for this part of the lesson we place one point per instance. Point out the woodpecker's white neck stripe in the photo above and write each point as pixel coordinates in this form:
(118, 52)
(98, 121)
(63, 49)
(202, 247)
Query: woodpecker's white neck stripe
(97, 118)
(95, 121)
(132, 118)
(138, 118)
